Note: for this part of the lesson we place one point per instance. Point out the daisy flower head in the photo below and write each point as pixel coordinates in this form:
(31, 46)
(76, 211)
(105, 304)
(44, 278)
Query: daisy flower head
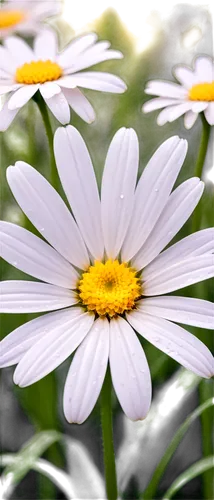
(103, 272)
(26, 16)
(57, 76)
(194, 94)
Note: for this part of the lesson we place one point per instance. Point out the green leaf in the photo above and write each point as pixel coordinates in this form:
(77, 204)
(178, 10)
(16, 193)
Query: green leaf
(195, 470)
(28, 454)
(150, 491)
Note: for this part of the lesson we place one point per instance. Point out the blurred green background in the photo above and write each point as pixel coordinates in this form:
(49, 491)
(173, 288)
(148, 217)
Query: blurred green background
(39, 407)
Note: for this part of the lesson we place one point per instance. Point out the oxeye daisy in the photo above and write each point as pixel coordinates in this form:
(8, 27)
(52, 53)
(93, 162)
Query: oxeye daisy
(193, 94)
(24, 16)
(57, 76)
(104, 275)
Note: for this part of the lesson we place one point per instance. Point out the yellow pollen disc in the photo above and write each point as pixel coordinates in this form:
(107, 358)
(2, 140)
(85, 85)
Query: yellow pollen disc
(202, 92)
(10, 18)
(110, 288)
(38, 72)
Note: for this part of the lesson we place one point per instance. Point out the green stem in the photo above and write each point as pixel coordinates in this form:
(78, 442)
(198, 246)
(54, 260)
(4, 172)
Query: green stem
(199, 166)
(44, 112)
(108, 445)
(206, 388)
(203, 146)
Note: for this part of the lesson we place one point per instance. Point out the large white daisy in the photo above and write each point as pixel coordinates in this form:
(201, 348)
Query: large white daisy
(24, 71)
(26, 16)
(103, 269)
(193, 94)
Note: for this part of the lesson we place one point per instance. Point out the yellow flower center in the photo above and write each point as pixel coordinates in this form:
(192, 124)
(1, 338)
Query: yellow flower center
(10, 18)
(202, 92)
(38, 72)
(110, 288)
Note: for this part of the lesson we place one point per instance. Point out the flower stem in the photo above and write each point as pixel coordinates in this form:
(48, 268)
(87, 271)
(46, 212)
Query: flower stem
(43, 110)
(108, 445)
(203, 146)
(199, 166)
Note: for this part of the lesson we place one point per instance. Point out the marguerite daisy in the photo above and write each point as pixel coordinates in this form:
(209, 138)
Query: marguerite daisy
(101, 267)
(25, 71)
(24, 16)
(194, 94)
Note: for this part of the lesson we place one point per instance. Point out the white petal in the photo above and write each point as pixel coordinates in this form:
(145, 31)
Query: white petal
(6, 116)
(209, 113)
(45, 8)
(197, 107)
(158, 103)
(31, 297)
(78, 179)
(50, 351)
(49, 89)
(90, 57)
(71, 65)
(75, 48)
(94, 80)
(8, 87)
(118, 186)
(165, 89)
(59, 107)
(129, 370)
(33, 256)
(179, 110)
(47, 212)
(203, 69)
(19, 50)
(185, 310)
(6, 62)
(174, 341)
(178, 209)
(189, 119)
(194, 245)
(22, 96)
(180, 275)
(45, 45)
(165, 114)
(80, 104)
(153, 192)
(185, 76)
(4, 76)
(14, 346)
(86, 375)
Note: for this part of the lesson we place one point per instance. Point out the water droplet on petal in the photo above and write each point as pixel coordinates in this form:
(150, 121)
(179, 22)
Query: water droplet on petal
(121, 196)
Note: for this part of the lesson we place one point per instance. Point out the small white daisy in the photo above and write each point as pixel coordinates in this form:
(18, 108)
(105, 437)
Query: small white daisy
(103, 268)
(194, 94)
(26, 17)
(24, 71)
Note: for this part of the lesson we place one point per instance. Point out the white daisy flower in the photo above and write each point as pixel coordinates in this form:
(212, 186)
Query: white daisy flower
(194, 94)
(57, 76)
(103, 274)
(26, 17)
